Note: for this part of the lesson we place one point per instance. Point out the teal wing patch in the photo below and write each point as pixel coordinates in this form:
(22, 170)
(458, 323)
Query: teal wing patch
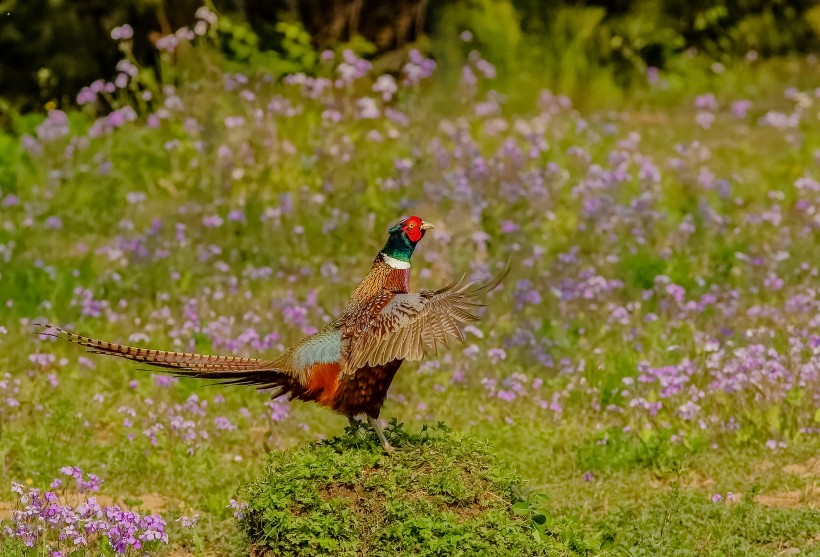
(324, 347)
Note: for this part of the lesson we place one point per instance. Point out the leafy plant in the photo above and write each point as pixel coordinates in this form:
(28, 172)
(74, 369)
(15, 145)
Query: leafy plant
(441, 493)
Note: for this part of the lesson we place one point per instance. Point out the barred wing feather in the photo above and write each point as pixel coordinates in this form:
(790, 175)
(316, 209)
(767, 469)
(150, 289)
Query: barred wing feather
(411, 326)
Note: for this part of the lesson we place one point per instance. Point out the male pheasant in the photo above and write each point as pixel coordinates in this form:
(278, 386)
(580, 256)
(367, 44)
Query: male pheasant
(349, 364)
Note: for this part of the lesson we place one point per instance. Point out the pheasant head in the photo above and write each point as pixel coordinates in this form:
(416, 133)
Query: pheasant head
(403, 239)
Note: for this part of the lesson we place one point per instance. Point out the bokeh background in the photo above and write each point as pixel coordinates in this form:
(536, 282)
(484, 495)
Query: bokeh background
(52, 48)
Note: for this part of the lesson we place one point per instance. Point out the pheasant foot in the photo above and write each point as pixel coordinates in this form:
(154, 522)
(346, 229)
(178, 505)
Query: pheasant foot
(388, 448)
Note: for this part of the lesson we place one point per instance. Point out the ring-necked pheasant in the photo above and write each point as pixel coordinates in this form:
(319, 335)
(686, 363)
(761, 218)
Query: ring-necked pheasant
(348, 365)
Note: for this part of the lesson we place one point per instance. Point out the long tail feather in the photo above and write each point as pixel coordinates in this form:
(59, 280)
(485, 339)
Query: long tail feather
(230, 369)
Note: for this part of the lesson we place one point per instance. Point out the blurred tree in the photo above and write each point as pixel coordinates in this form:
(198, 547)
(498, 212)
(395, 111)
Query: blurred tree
(49, 49)
(388, 25)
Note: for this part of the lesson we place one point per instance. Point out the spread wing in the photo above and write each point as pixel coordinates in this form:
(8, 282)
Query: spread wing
(411, 326)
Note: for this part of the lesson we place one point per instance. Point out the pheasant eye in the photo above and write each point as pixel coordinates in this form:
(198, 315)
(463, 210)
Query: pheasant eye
(411, 225)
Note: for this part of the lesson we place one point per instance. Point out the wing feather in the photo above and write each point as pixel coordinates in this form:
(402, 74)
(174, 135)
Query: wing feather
(411, 326)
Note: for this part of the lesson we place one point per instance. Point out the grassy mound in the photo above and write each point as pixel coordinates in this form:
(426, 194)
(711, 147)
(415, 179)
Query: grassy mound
(440, 493)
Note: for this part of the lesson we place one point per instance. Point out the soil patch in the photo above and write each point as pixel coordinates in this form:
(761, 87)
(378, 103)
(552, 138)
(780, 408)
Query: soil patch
(809, 469)
(809, 497)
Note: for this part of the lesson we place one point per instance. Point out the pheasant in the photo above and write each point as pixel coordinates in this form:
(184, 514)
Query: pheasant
(348, 365)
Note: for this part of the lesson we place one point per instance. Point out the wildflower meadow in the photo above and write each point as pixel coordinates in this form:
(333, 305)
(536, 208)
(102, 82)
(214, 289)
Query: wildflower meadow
(650, 368)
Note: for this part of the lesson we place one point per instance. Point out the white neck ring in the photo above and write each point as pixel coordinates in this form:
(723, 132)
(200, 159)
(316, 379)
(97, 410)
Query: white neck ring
(395, 263)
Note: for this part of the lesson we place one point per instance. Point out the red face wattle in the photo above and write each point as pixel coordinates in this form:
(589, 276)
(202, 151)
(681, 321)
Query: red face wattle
(413, 228)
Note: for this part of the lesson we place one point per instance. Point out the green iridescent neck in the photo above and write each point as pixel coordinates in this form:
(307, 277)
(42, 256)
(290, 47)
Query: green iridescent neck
(399, 246)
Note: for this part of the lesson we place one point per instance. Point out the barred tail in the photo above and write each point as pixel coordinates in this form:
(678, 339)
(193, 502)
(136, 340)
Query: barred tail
(229, 369)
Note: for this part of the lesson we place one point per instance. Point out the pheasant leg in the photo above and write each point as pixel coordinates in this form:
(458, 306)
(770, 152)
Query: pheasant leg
(375, 425)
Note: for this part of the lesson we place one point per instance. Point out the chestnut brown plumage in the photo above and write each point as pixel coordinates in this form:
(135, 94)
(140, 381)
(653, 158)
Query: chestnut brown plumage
(349, 364)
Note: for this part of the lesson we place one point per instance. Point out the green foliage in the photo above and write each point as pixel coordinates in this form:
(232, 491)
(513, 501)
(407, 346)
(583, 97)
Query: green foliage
(603, 48)
(238, 40)
(440, 493)
(494, 24)
(9, 155)
(570, 47)
(616, 449)
(241, 44)
(639, 269)
(298, 54)
(813, 19)
(656, 30)
(54, 48)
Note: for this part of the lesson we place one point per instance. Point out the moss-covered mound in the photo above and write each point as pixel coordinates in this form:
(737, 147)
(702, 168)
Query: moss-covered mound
(440, 493)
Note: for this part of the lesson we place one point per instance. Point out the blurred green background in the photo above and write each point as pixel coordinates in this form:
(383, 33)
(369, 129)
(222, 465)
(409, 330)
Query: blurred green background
(49, 49)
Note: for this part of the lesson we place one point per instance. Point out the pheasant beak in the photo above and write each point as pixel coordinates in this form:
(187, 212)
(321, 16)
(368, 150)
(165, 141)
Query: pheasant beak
(426, 225)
